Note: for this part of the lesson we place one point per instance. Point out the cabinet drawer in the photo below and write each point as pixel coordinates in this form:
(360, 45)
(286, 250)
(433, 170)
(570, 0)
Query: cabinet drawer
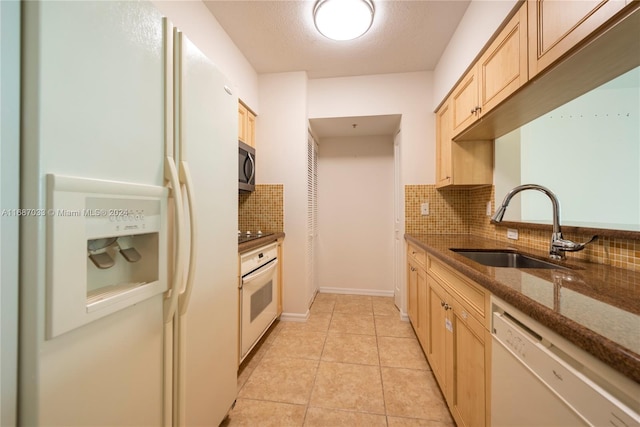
(470, 294)
(417, 254)
(464, 314)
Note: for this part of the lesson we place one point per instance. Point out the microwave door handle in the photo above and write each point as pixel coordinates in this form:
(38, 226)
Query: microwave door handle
(253, 168)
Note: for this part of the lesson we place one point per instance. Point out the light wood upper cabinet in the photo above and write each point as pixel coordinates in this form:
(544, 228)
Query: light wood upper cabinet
(499, 72)
(246, 125)
(444, 128)
(556, 26)
(464, 102)
(468, 163)
(502, 68)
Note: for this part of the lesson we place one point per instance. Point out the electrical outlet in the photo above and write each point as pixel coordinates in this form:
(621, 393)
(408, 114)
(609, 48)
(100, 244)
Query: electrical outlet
(489, 209)
(512, 234)
(424, 209)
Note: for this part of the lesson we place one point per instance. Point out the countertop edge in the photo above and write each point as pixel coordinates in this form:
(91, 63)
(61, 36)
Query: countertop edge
(613, 354)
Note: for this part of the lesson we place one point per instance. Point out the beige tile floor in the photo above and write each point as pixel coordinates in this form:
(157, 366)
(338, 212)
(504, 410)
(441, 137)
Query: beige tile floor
(353, 363)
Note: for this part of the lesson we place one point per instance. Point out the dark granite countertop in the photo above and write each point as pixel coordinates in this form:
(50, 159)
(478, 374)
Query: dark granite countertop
(594, 306)
(256, 243)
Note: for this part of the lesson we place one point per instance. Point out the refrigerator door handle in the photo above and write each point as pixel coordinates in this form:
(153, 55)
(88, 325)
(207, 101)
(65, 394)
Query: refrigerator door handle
(185, 295)
(171, 303)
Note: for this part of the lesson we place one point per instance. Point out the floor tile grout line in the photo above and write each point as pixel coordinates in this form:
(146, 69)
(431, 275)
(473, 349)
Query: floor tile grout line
(315, 376)
(384, 399)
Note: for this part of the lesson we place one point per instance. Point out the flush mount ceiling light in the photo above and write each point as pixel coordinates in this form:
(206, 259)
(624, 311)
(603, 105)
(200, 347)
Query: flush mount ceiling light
(343, 19)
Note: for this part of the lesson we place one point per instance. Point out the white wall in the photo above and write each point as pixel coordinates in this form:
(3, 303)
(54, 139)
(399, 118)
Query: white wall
(355, 215)
(281, 157)
(407, 94)
(508, 175)
(478, 24)
(587, 137)
(201, 27)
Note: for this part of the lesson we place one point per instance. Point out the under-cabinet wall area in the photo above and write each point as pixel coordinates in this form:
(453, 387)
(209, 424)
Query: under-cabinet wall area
(262, 209)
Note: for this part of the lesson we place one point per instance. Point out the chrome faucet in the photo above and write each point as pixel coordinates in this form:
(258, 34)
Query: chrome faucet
(559, 245)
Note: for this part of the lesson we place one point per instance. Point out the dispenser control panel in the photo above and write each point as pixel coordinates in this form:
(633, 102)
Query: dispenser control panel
(106, 248)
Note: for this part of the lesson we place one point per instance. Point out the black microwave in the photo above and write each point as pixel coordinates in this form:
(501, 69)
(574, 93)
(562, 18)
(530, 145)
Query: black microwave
(246, 167)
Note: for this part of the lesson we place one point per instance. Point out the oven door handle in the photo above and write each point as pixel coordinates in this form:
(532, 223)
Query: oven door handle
(262, 271)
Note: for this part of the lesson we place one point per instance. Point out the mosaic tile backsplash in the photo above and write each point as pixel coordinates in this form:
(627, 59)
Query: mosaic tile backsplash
(262, 209)
(459, 210)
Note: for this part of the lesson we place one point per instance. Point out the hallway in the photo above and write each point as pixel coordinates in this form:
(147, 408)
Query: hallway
(353, 363)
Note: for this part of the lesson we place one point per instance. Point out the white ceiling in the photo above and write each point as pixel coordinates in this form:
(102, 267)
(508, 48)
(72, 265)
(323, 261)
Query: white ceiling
(279, 36)
(386, 125)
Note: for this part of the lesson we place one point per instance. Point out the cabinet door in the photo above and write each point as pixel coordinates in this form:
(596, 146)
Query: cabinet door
(423, 308)
(412, 292)
(242, 123)
(502, 68)
(444, 133)
(464, 102)
(251, 129)
(556, 26)
(437, 344)
(468, 396)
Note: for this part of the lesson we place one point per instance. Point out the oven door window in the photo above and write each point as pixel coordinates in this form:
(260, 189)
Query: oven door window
(261, 299)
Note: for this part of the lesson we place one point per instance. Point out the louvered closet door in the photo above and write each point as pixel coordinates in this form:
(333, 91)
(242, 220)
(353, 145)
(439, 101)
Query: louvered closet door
(312, 213)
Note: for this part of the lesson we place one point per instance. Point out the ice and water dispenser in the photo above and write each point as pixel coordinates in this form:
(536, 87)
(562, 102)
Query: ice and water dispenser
(106, 248)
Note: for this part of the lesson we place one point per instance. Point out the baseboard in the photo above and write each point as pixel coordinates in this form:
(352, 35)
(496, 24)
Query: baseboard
(313, 297)
(294, 317)
(370, 292)
(404, 316)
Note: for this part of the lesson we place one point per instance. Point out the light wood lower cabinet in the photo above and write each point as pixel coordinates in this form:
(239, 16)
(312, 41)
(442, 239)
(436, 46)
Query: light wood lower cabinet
(417, 292)
(436, 350)
(471, 355)
(455, 338)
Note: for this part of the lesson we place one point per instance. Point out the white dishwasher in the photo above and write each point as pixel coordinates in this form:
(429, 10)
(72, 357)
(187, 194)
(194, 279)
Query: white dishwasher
(540, 379)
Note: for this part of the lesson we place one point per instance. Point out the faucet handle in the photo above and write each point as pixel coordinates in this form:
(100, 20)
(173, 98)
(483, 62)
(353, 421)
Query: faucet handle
(570, 246)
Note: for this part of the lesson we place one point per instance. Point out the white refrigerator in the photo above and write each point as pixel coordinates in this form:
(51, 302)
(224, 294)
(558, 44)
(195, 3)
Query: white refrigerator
(128, 253)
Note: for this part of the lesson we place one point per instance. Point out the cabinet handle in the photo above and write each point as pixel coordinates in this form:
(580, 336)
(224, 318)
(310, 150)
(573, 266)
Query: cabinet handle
(413, 269)
(445, 305)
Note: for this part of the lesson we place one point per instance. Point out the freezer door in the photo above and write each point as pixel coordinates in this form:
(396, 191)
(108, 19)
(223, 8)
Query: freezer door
(92, 107)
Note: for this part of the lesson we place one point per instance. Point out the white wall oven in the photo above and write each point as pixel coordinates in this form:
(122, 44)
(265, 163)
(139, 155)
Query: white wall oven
(258, 295)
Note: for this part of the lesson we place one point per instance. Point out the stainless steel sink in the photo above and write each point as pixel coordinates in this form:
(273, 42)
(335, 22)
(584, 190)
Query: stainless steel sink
(505, 258)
